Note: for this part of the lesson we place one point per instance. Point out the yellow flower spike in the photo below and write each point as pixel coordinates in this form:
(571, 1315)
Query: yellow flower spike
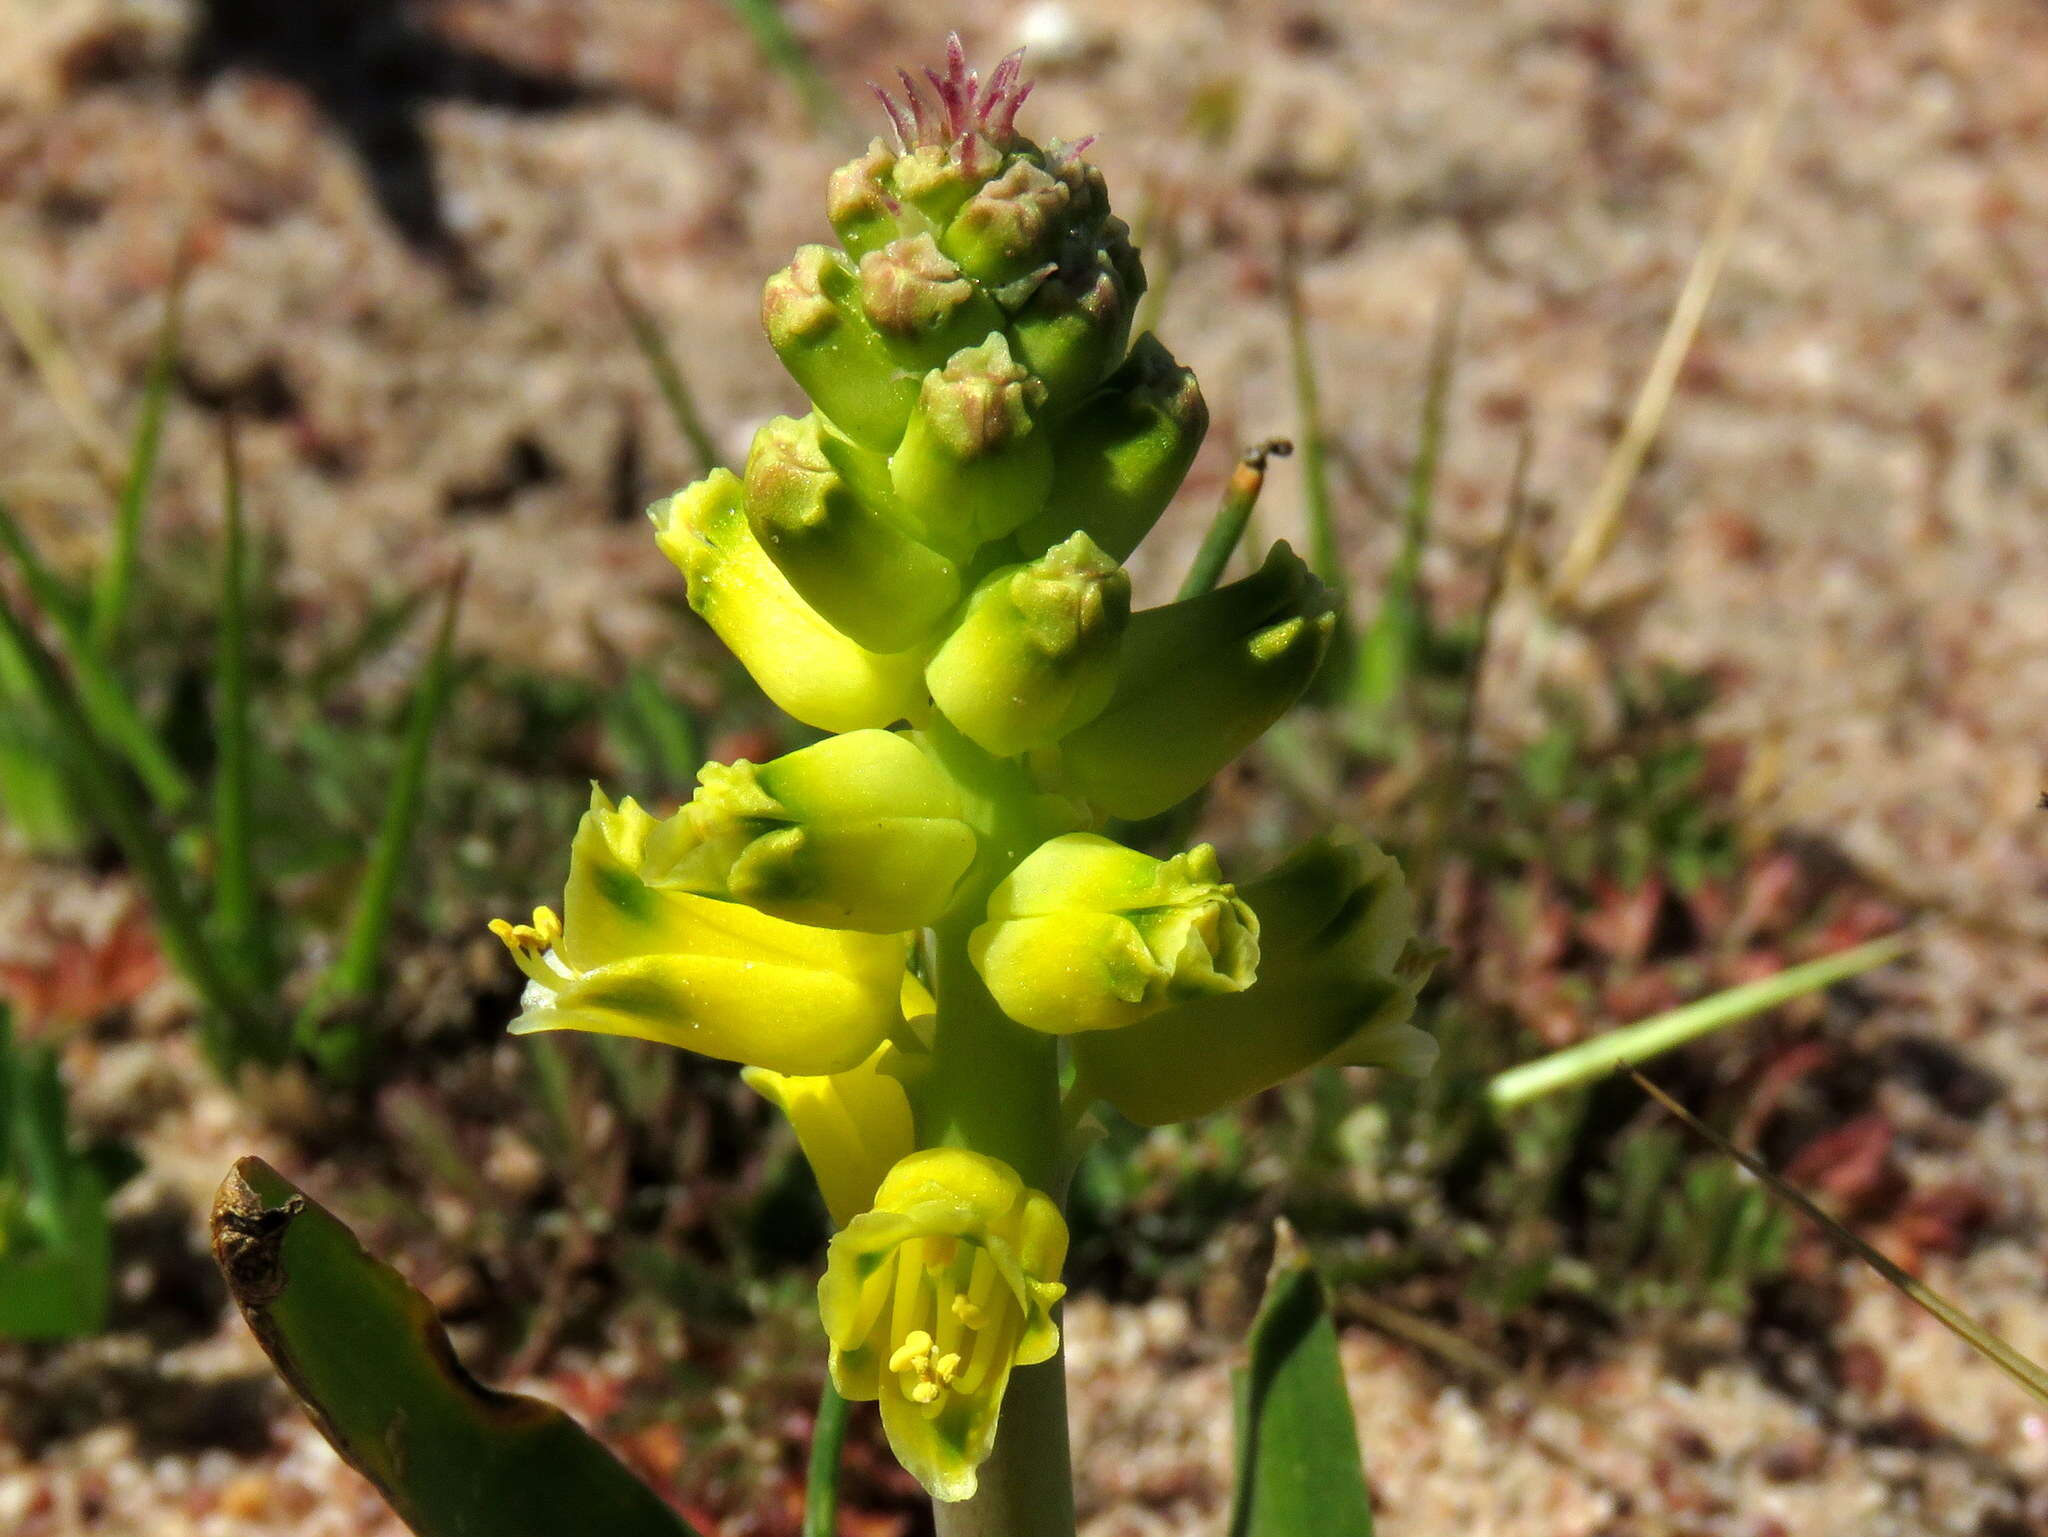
(1337, 985)
(852, 1126)
(808, 668)
(1087, 935)
(932, 1297)
(629, 958)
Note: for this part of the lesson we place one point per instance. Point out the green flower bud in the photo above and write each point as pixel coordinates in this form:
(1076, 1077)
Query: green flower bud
(859, 203)
(1088, 935)
(922, 305)
(1339, 969)
(801, 662)
(938, 179)
(860, 831)
(865, 576)
(812, 313)
(1119, 459)
(1073, 329)
(973, 463)
(1200, 681)
(1011, 227)
(1035, 654)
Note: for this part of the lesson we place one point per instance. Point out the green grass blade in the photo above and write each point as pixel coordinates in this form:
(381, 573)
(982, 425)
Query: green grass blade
(2029, 1375)
(238, 911)
(235, 1030)
(786, 53)
(114, 585)
(107, 704)
(661, 362)
(1576, 1066)
(60, 1284)
(1299, 1469)
(362, 954)
(1325, 558)
(821, 1485)
(1226, 530)
(365, 1354)
(1399, 631)
(35, 794)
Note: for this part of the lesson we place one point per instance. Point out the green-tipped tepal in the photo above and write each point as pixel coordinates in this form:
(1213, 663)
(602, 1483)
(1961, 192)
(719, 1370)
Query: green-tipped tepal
(1339, 969)
(1199, 682)
(974, 463)
(1035, 654)
(1119, 459)
(860, 831)
(865, 576)
(1087, 935)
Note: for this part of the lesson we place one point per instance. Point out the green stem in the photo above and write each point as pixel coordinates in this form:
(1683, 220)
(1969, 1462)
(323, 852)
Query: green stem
(1240, 496)
(821, 1490)
(1027, 1484)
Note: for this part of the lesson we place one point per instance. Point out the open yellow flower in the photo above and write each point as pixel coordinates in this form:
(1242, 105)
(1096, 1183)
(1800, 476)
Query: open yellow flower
(933, 1296)
(715, 977)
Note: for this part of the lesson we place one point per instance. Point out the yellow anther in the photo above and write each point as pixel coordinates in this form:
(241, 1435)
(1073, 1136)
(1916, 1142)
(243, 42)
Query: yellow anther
(948, 1366)
(923, 1391)
(530, 938)
(968, 1313)
(914, 1354)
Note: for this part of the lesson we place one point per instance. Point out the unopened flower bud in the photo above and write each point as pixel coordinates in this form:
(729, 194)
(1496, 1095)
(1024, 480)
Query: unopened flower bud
(1119, 459)
(1072, 331)
(931, 1298)
(1088, 935)
(1198, 682)
(812, 313)
(1339, 969)
(1035, 654)
(974, 463)
(922, 305)
(1011, 227)
(859, 203)
(937, 179)
(859, 831)
(631, 958)
(864, 575)
(801, 662)
(853, 1126)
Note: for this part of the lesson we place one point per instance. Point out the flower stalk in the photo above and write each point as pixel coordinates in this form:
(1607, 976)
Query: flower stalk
(911, 933)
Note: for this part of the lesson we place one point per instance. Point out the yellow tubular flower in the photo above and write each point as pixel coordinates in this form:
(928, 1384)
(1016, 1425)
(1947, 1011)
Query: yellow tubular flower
(692, 971)
(1337, 985)
(801, 662)
(1088, 935)
(852, 1126)
(933, 1296)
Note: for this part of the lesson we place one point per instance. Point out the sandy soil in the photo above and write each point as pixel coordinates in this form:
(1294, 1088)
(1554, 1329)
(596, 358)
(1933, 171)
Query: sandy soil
(1845, 517)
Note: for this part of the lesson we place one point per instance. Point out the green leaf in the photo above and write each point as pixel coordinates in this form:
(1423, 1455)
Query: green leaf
(1226, 530)
(1299, 1470)
(56, 1263)
(367, 1357)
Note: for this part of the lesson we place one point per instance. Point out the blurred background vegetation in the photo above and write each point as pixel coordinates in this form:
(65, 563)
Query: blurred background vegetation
(1671, 432)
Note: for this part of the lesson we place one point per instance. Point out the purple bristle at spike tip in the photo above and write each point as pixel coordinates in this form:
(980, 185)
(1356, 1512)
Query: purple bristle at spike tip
(961, 106)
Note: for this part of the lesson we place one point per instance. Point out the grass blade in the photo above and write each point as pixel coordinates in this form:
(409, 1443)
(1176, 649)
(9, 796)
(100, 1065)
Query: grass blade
(366, 1355)
(821, 1484)
(1324, 556)
(661, 362)
(362, 955)
(1582, 1064)
(1394, 641)
(2031, 1377)
(1226, 530)
(1600, 523)
(235, 1031)
(35, 794)
(1299, 1470)
(115, 582)
(107, 704)
(238, 913)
